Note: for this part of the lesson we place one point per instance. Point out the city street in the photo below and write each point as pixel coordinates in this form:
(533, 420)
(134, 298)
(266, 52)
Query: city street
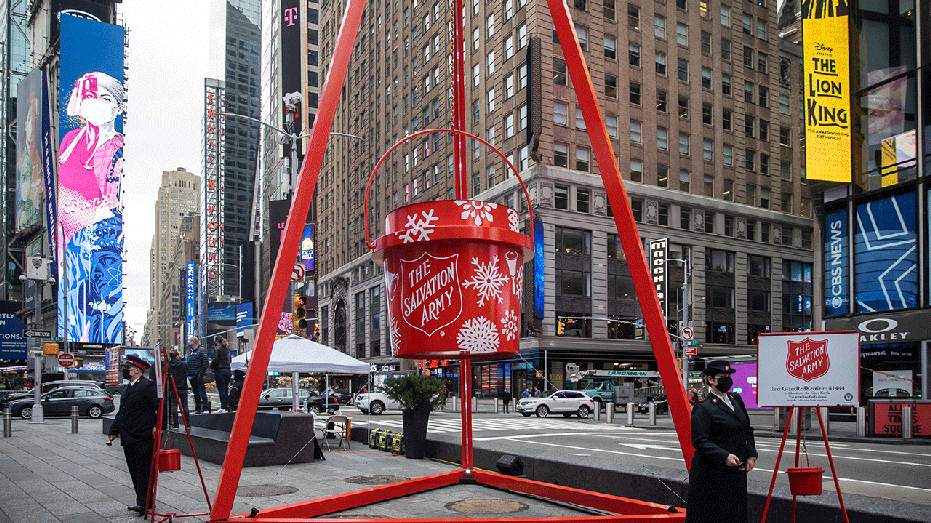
(869, 468)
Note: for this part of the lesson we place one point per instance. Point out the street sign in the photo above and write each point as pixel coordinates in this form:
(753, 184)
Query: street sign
(693, 343)
(66, 359)
(688, 333)
(691, 351)
(297, 273)
(57, 339)
(38, 334)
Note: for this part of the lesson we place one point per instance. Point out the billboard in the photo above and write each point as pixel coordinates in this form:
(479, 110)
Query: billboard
(245, 318)
(30, 176)
(539, 269)
(214, 185)
(745, 383)
(12, 342)
(307, 247)
(825, 36)
(277, 217)
(808, 369)
(90, 169)
(191, 288)
(659, 252)
(836, 264)
(886, 254)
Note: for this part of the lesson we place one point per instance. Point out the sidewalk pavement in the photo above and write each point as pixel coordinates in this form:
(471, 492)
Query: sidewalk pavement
(52, 475)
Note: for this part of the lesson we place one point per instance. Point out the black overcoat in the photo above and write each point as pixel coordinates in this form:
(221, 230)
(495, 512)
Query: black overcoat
(138, 412)
(718, 493)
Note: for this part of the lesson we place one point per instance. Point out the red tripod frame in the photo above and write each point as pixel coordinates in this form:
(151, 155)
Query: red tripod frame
(627, 230)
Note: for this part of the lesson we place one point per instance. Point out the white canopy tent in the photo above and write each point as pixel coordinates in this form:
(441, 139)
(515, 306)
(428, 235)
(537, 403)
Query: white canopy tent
(295, 354)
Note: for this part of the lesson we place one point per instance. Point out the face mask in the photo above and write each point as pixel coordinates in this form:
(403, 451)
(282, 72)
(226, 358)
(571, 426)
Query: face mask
(98, 112)
(126, 373)
(725, 384)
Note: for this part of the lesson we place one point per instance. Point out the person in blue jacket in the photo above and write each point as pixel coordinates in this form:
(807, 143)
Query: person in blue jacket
(135, 425)
(724, 452)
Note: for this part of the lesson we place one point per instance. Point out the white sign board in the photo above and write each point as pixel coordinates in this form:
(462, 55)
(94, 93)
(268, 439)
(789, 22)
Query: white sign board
(808, 369)
(892, 383)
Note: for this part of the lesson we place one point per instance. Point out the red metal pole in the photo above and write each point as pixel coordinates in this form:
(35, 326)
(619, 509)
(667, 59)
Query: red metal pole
(294, 228)
(782, 446)
(653, 317)
(465, 390)
(827, 447)
(459, 148)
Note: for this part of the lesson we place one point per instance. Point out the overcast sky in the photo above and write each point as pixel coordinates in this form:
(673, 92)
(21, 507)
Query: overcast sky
(168, 56)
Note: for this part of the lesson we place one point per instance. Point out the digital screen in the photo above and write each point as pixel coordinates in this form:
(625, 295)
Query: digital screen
(836, 264)
(886, 254)
(307, 247)
(30, 176)
(745, 383)
(90, 171)
(245, 317)
(191, 284)
(539, 269)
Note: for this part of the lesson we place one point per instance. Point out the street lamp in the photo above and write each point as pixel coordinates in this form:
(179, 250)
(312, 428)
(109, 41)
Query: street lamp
(685, 314)
(39, 279)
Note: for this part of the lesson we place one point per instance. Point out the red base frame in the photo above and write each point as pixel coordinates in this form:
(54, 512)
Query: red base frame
(633, 248)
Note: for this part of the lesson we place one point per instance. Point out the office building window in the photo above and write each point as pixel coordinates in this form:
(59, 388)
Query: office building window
(728, 192)
(662, 175)
(633, 54)
(635, 94)
(636, 132)
(561, 155)
(561, 113)
(610, 86)
(661, 97)
(684, 180)
(728, 154)
(636, 170)
(561, 197)
(726, 84)
(685, 218)
(683, 144)
(661, 63)
(706, 78)
(659, 26)
(709, 222)
(560, 73)
(610, 47)
(583, 198)
(662, 138)
(581, 159)
(633, 16)
(683, 107)
(709, 186)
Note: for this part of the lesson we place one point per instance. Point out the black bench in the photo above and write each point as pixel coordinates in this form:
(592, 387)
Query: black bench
(277, 438)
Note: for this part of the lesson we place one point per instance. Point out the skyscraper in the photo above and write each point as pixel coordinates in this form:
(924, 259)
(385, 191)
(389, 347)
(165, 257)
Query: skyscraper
(706, 131)
(177, 198)
(231, 159)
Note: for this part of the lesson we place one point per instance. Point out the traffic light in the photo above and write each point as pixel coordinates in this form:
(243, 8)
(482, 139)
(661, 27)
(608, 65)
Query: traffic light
(299, 316)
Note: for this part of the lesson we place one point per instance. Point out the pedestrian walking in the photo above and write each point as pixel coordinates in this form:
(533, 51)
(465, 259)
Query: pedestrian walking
(724, 452)
(177, 370)
(221, 370)
(135, 425)
(196, 368)
(506, 397)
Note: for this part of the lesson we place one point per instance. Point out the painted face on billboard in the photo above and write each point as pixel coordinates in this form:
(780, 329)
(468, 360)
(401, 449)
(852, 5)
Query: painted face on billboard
(97, 98)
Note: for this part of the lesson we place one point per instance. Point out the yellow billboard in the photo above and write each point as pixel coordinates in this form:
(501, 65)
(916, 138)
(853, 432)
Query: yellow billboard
(828, 122)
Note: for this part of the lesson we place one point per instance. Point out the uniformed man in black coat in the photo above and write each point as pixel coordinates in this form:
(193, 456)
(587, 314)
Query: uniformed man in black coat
(135, 425)
(724, 452)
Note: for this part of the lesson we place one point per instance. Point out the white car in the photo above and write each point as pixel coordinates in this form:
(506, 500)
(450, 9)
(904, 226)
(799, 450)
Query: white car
(375, 402)
(565, 402)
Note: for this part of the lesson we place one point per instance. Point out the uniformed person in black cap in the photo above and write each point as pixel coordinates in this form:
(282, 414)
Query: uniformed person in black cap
(135, 425)
(724, 452)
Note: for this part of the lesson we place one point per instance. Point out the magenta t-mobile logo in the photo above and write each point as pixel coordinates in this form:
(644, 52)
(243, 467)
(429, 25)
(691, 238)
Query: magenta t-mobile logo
(290, 15)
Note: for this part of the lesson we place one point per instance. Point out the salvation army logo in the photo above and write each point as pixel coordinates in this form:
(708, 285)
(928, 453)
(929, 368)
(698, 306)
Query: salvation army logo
(36, 263)
(808, 359)
(431, 297)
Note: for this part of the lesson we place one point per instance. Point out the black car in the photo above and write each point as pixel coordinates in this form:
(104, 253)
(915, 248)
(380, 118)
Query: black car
(281, 398)
(90, 401)
(52, 385)
(9, 396)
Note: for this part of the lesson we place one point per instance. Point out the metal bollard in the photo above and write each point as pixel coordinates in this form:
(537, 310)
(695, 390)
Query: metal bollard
(652, 413)
(455, 401)
(906, 422)
(7, 423)
(826, 417)
(630, 414)
(74, 419)
(474, 404)
(861, 422)
(597, 411)
(496, 405)
(609, 413)
(776, 412)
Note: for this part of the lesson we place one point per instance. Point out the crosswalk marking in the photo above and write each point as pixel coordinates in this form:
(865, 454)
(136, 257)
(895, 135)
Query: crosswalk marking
(454, 425)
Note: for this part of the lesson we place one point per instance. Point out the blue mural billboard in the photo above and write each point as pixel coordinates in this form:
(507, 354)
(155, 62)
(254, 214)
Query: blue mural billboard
(886, 254)
(191, 285)
(539, 269)
(12, 342)
(245, 317)
(90, 167)
(836, 264)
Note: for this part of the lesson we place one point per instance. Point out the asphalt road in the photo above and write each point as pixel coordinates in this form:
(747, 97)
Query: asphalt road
(873, 469)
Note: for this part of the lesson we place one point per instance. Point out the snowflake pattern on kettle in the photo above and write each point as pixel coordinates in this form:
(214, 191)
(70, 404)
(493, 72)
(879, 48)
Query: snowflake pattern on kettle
(487, 281)
(422, 228)
(478, 335)
(395, 337)
(509, 325)
(513, 220)
(477, 211)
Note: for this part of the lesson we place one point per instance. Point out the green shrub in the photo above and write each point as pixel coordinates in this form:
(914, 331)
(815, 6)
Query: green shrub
(415, 391)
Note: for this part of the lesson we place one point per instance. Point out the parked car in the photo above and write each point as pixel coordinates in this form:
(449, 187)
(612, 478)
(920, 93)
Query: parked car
(90, 401)
(375, 402)
(9, 396)
(51, 385)
(565, 402)
(281, 398)
(662, 406)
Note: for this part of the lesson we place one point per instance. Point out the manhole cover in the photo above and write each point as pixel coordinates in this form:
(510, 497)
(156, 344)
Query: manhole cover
(486, 506)
(264, 491)
(375, 480)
